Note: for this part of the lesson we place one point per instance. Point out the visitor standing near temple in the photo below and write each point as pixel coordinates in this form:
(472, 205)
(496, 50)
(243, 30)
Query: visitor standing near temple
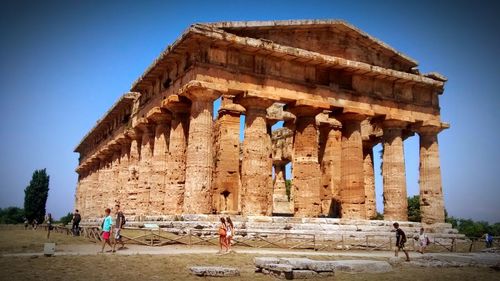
(26, 223)
(75, 228)
(229, 233)
(49, 221)
(423, 241)
(400, 241)
(222, 235)
(106, 229)
(488, 239)
(119, 223)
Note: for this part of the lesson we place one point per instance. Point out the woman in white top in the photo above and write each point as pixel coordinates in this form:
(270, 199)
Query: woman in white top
(423, 241)
(229, 233)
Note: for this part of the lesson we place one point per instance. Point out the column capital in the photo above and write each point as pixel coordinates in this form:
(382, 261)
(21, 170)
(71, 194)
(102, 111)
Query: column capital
(394, 124)
(177, 104)
(229, 107)
(202, 91)
(427, 130)
(351, 116)
(303, 107)
(158, 115)
(324, 120)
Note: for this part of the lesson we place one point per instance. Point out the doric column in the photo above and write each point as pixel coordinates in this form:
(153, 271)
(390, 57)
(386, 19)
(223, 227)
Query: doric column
(393, 172)
(352, 191)
(123, 174)
(369, 180)
(133, 172)
(199, 153)
(330, 162)
(431, 192)
(145, 168)
(256, 165)
(114, 176)
(176, 171)
(226, 185)
(306, 168)
(162, 120)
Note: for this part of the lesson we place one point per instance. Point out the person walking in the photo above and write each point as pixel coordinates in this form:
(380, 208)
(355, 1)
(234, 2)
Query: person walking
(423, 241)
(49, 221)
(106, 229)
(222, 235)
(75, 228)
(400, 241)
(119, 224)
(229, 233)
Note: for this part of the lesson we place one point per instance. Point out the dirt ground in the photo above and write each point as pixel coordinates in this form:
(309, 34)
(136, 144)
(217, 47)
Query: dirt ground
(168, 267)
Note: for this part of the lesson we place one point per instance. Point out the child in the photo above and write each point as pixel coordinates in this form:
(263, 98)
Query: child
(400, 241)
(106, 229)
(423, 241)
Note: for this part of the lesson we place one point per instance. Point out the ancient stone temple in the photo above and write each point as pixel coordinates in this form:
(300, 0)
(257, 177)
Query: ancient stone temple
(335, 92)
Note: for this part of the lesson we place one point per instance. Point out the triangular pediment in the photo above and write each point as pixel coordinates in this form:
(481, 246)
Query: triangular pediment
(328, 37)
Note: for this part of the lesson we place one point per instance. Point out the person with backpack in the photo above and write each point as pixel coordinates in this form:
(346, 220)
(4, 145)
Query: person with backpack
(75, 228)
(119, 224)
(400, 241)
(423, 241)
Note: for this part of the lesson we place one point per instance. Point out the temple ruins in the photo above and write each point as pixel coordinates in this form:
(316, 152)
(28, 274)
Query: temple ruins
(337, 91)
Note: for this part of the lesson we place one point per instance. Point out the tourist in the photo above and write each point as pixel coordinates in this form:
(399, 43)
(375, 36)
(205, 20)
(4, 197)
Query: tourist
(400, 241)
(423, 241)
(222, 235)
(26, 222)
(106, 230)
(488, 239)
(49, 221)
(119, 223)
(35, 224)
(76, 223)
(229, 233)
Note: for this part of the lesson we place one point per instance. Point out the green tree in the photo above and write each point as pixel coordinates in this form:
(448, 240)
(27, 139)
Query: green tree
(66, 219)
(35, 196)
(414, 208)
(11, 215)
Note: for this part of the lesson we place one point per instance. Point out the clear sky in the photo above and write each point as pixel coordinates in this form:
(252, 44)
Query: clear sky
(63, 64)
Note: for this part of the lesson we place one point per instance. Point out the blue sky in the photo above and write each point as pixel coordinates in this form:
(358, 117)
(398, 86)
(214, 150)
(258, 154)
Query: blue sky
(63, 64)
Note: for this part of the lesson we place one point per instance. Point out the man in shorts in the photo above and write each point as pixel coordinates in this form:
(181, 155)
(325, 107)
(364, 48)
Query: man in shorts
(106, 229)
(400, 241)
(119, 223)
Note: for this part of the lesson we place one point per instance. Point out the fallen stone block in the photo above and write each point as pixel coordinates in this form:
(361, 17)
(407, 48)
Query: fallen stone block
(278, 267)
(362, 266)
(322, 266)
(296, 263)
(304, 274)
(261, 261)
(215, 271)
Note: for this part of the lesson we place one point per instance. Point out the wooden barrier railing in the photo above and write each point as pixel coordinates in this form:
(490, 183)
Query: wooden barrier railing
(260, 239)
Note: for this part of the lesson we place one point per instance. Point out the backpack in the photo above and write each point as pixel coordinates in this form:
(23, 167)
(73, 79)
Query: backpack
(123, 220)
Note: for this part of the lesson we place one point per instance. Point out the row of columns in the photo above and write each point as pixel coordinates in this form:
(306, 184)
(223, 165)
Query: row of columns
(169, 164)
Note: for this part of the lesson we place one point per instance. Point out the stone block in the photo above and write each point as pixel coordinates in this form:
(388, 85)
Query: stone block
(260, 262)
(214, 271)
(362, 266)
(304, 274)
(278, 267)
(322, 266)
(296, 263)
